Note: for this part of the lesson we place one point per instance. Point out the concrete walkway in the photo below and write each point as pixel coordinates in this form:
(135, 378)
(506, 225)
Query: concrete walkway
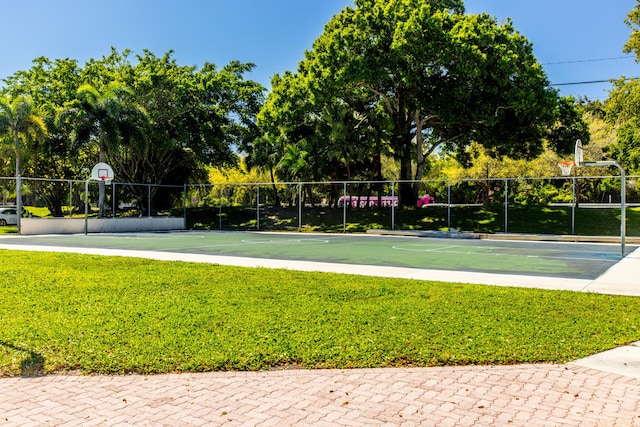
(524, 395)
(602, 390)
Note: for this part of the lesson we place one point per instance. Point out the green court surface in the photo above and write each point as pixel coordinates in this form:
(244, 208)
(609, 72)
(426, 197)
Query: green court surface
(565, 260)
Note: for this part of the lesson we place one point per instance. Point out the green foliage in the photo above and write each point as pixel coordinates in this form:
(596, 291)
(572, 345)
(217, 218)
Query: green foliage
(633, 22)
(624, 117)
(568, 127)
(151, 119)
(158, 317)
(524, 217)
(407, 78)
(621, 107)
(536, 193)
(20, 126)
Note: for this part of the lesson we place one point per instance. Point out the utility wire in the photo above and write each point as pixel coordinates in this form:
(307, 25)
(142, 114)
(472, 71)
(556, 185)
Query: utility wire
(589, 82)
(580, 83)
(588, 60)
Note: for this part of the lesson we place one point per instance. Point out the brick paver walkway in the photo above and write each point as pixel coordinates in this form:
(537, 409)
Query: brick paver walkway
(522, 395)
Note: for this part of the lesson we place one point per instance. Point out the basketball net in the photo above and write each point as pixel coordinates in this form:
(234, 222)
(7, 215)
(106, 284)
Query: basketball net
(565, 167)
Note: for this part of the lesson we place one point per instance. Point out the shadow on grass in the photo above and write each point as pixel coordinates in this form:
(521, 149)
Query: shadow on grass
(31, 363)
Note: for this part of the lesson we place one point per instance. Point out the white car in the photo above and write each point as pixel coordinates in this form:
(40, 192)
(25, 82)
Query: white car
(8, 216)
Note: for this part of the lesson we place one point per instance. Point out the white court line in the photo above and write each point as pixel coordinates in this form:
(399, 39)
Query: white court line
(436, 249)
(285, 241)
(443, 250)
(243, 242)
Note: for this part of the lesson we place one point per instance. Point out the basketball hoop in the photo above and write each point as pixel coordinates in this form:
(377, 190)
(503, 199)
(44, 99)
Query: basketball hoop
(102, 172)
(565, 167)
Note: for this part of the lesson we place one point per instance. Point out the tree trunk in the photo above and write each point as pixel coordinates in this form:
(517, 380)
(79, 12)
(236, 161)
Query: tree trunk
(406, 195)
(16, 140)
(276, 198)
(419, 155)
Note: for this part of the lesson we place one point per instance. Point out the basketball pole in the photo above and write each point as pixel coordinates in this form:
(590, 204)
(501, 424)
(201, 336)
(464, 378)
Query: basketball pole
(86, 206)
(623, 196)
(579, 161)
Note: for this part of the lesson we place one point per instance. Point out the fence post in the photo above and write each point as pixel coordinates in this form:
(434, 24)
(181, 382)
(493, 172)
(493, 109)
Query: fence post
(149, 198)
(220, 209)
(573, 205)
(393, 206)
(19, 202)
(344, 207)
(449, 204)
(184, 205)
(623, 208)
(258, 207)
(86, 207)
(506, 205)
(70, 198)
(300, 206)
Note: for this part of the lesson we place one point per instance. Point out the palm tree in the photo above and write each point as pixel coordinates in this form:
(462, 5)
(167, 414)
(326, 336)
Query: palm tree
(21, 125)
(104, 119)
(264, 155)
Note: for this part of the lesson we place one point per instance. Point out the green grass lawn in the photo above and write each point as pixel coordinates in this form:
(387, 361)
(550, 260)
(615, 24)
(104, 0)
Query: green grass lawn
(69, 312)
(9, 229)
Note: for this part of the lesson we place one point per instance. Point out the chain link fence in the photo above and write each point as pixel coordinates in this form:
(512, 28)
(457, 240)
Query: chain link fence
(558, 205)
(59, 198)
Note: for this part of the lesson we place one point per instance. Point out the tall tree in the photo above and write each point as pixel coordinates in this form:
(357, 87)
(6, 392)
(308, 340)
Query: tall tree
(442, 78)
(51, 84)
(196, 117)
(104, 119)
(153, 120)
(622, 107)
(633, 22)
(19, 121)
(623, 113)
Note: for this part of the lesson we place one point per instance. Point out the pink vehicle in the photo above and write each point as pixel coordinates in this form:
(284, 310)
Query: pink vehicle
(425, 200)
(387, 201)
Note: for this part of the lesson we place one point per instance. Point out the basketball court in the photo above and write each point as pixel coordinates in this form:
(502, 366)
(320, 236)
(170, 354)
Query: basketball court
(554, 265)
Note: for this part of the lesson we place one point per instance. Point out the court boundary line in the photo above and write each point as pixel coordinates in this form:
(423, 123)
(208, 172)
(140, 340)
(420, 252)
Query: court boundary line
(445, 250)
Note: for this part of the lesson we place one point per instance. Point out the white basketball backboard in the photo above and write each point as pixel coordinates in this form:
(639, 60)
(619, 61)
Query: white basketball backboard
(579, 157)
(102, 172)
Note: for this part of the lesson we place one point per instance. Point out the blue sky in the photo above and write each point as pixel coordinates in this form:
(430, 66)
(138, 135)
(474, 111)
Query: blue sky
(273, 34)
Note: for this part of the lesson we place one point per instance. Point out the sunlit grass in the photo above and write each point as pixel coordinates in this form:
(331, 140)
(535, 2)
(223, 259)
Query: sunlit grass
(64, 312)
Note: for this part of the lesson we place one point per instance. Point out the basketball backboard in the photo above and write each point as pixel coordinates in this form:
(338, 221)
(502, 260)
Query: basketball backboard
(102, 172)
(579, 156)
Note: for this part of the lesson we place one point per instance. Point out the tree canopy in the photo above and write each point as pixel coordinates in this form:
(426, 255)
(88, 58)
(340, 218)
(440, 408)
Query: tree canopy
(152, 119)
(412, 77)
(21, 126)
(622, 108)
